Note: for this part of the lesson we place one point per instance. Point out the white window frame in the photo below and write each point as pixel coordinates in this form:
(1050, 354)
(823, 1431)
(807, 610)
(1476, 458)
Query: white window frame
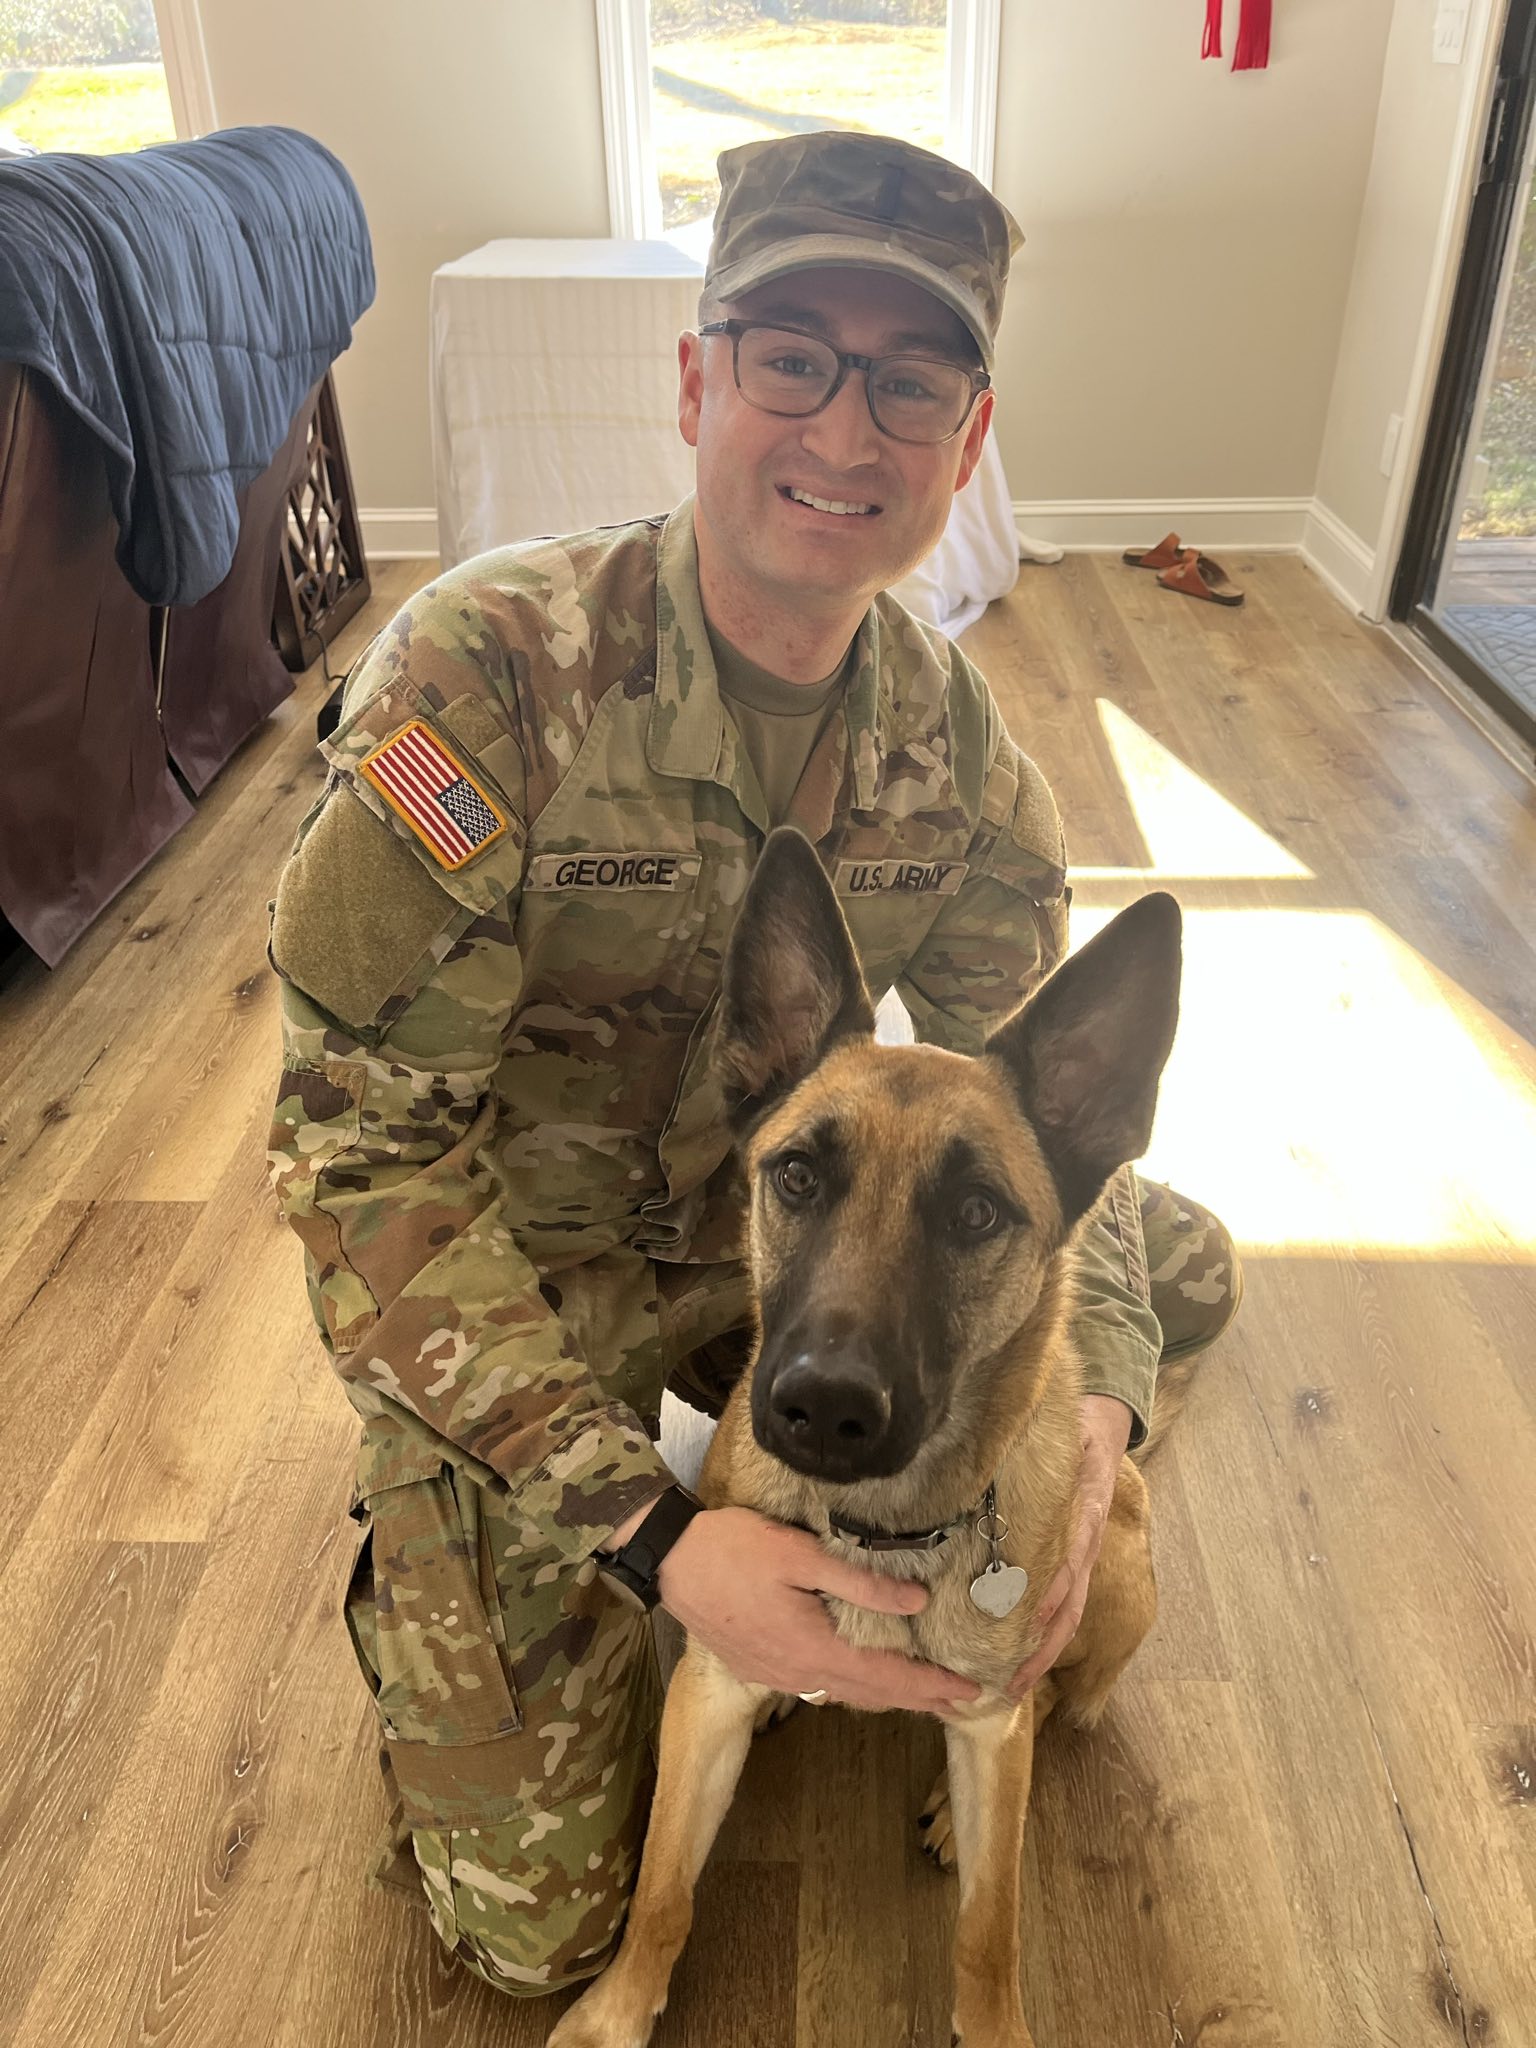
(187, 77)
(624, 57)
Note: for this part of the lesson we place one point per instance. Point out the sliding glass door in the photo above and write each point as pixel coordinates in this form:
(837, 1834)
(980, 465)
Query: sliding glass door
(1467, 578)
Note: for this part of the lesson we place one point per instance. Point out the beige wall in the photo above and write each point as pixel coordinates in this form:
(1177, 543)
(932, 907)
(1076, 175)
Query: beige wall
(1174, 326)
(1411, 219)
(1174, 322)
(458, 123)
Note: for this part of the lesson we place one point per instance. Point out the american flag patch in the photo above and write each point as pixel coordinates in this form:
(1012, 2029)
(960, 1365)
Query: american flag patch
(442, 804)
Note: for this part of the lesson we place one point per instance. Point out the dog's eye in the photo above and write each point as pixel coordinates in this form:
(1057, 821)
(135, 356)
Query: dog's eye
(795, 1179)
(977, 1215)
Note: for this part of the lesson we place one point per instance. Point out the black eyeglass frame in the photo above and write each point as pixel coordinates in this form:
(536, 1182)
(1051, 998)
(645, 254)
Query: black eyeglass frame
(979, 379)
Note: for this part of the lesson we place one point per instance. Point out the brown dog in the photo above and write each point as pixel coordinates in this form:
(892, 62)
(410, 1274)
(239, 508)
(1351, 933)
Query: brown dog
(912, 1218)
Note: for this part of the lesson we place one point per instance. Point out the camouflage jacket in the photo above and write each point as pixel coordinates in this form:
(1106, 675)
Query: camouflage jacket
(498, 1107)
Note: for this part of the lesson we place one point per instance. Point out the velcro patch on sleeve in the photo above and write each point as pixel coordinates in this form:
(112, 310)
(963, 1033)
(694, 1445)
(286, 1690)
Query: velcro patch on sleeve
(359, 915)
(425, 782)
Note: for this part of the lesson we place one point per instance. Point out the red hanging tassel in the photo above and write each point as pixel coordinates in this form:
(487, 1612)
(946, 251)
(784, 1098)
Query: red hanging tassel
(1211, 47)
(1252, 53)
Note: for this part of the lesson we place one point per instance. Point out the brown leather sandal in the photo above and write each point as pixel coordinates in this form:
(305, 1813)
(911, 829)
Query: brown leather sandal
(1163, 556)
(1196, 575)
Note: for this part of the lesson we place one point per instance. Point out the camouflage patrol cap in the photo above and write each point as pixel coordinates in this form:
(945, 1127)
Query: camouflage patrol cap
(804, 202)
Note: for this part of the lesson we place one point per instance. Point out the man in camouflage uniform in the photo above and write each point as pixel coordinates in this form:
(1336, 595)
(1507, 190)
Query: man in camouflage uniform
(500, 936)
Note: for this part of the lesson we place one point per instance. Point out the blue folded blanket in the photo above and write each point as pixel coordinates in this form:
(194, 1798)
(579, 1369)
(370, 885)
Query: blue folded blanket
(183, 299)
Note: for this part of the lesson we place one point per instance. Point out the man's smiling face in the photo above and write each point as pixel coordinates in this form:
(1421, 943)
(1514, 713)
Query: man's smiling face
(773, 548)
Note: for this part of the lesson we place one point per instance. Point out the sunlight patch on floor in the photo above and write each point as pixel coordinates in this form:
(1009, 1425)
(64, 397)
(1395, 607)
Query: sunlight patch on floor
(1188, 828)
(1327, 1087)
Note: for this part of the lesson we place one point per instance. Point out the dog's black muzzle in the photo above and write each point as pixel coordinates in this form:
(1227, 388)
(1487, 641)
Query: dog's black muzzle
(822, 1404)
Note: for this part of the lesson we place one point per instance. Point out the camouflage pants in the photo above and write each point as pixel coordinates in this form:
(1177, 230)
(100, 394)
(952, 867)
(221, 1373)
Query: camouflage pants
(519, 1701)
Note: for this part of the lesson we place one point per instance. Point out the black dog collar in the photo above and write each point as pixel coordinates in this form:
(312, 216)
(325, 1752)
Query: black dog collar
(867, 1538)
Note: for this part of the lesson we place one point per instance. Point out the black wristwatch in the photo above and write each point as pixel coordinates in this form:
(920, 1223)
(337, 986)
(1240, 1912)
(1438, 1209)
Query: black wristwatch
(638, 1564)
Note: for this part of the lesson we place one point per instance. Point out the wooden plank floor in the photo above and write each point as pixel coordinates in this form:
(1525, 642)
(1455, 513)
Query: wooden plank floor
(1307, 1821)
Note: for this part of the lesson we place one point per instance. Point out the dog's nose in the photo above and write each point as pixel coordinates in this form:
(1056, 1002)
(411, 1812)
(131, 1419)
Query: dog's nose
(828, 1414)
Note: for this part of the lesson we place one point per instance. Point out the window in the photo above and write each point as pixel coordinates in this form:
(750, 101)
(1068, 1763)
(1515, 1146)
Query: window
(89, 75)
(685, 79)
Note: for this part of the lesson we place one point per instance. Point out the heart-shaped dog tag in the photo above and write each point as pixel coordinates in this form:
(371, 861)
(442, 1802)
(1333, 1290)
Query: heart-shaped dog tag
(998, 1592)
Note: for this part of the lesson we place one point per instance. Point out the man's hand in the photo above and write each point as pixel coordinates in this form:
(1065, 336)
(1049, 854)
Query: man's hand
(749, 1588)
(1106, 1430)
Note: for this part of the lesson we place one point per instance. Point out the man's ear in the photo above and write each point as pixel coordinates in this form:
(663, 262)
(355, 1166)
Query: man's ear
(975, 437)
(690, 385)
(1086, 1052)
(791, 986)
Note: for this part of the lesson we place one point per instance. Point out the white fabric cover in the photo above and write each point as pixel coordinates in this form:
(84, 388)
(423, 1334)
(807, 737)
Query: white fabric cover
(554, 408)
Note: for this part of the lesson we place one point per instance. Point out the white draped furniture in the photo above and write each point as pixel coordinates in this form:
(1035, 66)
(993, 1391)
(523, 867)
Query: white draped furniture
(554, 408)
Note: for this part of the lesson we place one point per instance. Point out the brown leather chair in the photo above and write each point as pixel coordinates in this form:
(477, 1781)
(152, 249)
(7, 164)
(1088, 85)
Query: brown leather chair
(99, 693)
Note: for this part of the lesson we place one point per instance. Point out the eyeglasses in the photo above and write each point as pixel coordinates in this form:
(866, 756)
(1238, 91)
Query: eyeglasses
(910, 397)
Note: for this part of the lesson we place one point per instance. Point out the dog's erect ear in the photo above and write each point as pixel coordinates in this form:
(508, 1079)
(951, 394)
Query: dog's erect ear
(791, 986)
(1087, 1050)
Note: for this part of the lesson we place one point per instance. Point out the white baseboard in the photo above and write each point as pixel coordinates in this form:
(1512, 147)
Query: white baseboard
(1259, 525)
(1087, 527)
(1338, 554)
(393, 533)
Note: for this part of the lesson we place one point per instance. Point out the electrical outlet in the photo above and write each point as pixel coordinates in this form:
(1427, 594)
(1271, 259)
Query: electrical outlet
(1450, 30)
(1389, 443)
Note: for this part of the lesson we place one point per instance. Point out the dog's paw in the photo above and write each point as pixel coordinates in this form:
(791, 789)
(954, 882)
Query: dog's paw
(935, 1829)
(994, 2025)
(602, 2018)
(776, 1708)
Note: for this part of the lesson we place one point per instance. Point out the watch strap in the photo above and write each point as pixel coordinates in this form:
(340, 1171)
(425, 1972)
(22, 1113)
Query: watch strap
(638, 1563)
